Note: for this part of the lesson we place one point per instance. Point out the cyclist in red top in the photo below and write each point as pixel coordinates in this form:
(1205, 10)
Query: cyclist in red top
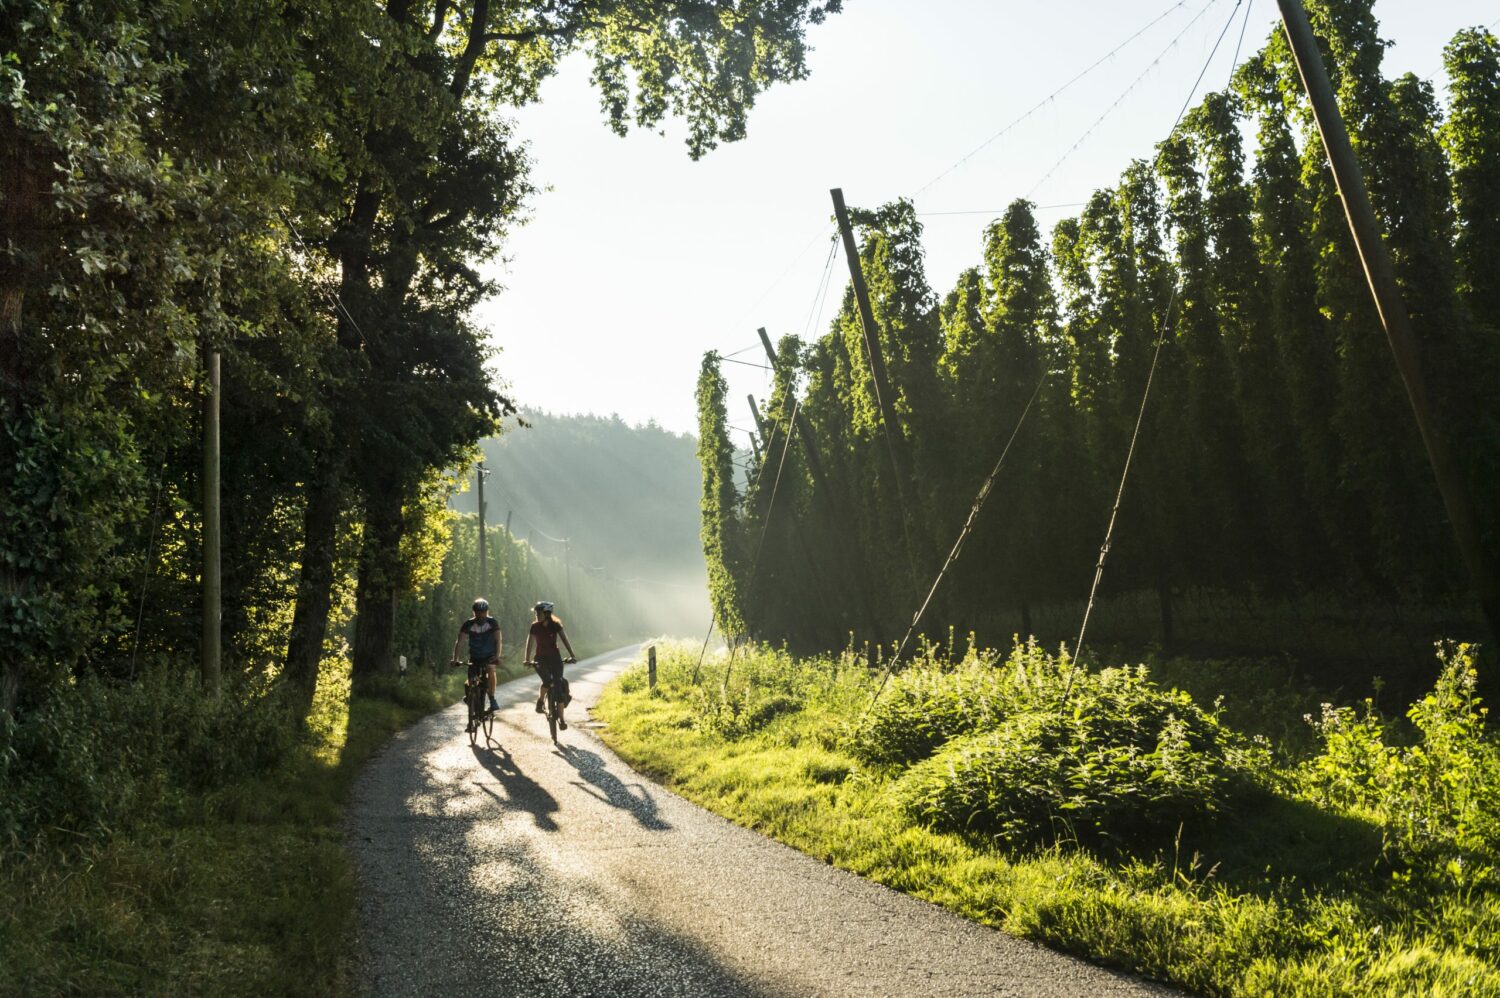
(544, 635)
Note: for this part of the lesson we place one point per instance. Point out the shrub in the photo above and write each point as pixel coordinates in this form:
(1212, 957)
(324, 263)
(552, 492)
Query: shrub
(1442, 792)
(95, 756)
(929, 704)
(1120, 758)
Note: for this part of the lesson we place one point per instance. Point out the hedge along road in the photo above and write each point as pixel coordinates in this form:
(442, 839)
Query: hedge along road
(533, 869)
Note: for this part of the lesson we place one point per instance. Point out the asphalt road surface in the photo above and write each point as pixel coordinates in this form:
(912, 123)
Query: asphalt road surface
(532, 869)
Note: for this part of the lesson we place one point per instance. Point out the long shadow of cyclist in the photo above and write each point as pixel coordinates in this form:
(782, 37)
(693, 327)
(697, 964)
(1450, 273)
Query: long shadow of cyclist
(521, 791)
(635, 799)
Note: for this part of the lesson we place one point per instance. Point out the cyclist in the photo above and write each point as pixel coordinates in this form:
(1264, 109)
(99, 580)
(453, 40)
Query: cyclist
(483, 632)
(544, 635)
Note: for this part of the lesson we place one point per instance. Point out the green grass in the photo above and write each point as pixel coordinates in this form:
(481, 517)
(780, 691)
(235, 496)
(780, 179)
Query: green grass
(1278, 896)
(247, 890)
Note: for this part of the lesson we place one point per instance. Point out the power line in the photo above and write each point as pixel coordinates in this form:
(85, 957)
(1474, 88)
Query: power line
(1126, 93)
(331, 296)
(1052, 96)
(746, 363)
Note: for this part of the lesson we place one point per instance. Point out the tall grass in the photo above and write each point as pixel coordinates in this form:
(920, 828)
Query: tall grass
(1357, 855)
(159, 842)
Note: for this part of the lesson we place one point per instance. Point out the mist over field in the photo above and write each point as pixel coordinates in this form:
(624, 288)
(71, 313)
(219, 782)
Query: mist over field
(619, 501)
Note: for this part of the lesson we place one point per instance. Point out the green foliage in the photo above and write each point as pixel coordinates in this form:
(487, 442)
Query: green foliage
(924, 708)
(1282, 894)
(100, 756)
(1437, 799)
(1276, 457)
(1122, 760)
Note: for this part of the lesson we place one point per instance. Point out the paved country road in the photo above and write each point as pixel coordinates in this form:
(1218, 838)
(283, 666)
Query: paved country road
(530, 869)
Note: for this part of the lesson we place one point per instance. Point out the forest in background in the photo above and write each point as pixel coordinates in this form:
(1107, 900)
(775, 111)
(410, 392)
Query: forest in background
(623, 497)
(1280, 488)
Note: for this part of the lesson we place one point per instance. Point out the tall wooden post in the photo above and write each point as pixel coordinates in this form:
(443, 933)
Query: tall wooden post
(760, 428)
(1388, 302)
(885, 398)
(480, 473)
(211, 666)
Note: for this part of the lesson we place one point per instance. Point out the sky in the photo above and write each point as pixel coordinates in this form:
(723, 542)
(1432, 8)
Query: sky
(636, 260)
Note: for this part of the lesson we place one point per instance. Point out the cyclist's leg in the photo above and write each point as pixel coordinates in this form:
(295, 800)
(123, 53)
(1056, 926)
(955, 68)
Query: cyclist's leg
(489, 668)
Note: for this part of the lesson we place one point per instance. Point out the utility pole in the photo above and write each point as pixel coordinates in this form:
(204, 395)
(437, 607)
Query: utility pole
(480, 473)
(211, 667)
(885, 399)
(568, 566)
(1388, 302)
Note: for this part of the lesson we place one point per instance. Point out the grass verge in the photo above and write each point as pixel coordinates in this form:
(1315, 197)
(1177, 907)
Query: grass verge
(245, 890)
(1306, 881)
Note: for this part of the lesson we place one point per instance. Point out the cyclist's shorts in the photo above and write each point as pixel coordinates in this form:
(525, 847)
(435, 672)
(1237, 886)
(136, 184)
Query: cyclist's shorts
(550, 667)
(480, 668)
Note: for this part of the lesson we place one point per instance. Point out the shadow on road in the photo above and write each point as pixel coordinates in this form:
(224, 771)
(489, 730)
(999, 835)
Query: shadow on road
(633, 798)
(521, 791)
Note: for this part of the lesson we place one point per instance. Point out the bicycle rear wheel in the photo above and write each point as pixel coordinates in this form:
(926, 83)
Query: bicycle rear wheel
(473, 699)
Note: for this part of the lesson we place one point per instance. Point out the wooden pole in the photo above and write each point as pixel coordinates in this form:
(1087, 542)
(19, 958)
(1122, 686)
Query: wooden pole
(1388, 302)
(211, 666)
(885, 398)
(480, 473)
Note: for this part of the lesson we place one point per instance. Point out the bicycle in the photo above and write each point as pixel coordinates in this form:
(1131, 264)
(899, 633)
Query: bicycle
(476, 696)
(553, 709)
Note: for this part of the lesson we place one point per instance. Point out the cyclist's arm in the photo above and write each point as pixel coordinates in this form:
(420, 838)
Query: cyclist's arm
(530, 638)
(499, 644)
(458, 641)
(564, 635)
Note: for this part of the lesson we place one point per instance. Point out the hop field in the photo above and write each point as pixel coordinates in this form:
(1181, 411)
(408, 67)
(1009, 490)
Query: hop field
(1109, 814)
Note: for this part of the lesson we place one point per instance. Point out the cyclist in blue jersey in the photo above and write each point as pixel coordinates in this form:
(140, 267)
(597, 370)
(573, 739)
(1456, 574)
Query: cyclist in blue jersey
(483, 634)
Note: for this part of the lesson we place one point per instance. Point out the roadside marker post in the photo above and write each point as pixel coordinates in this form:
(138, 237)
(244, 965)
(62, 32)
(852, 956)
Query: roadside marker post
(651, 666)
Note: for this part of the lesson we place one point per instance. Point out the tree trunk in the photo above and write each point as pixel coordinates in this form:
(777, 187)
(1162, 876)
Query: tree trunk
(1168, 627)
(314, 589)
(380, 573)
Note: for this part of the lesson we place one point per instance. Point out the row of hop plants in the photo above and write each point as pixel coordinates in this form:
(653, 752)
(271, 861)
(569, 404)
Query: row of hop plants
(1024, 749)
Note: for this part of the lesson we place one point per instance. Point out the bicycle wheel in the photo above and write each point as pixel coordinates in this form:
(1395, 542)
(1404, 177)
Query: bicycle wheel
(487, 719)
(472, 700)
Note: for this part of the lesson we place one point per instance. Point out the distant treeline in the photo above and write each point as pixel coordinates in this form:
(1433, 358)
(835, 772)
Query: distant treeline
(600, 613)
(1278, 453)
(623, 496)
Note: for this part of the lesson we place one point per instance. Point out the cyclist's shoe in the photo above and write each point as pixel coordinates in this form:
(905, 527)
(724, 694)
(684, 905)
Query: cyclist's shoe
(494, 707)
(562, 723)
(539, 708)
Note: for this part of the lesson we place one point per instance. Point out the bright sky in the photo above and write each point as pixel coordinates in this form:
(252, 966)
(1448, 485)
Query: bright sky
(638, 260)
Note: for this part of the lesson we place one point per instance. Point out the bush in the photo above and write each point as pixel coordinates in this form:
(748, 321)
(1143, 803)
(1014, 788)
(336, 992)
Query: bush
(97, 755)
(929, 704)
(1121, 758)
(1439, 794)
